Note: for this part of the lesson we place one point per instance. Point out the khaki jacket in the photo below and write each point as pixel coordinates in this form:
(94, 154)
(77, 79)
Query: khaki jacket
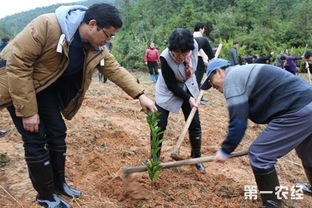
(33, 64)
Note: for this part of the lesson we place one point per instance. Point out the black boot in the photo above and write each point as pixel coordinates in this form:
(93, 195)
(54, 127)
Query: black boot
(195, 140)
(306, 188)
(58, 157)
(41, 176)
(267, 180)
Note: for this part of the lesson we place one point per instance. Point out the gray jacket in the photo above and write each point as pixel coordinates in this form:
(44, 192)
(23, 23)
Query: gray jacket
(233, 57)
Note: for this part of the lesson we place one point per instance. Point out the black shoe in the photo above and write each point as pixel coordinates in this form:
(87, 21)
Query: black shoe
(67, 190)
(203, 101)
(200, 167)
(3, 132)
(305, 188)
(57, 202)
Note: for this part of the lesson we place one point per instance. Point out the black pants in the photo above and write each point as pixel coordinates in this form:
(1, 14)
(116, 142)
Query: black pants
(52, 128)
(194, 129)
(186, 109)
(152, 67)
(200, 70)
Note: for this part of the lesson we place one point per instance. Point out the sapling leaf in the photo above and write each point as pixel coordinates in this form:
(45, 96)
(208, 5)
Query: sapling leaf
(153, 165)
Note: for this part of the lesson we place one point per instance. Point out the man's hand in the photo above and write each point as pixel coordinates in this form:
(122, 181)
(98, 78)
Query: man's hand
(31, 123)
(192, 102)
(220, 157)
(147, 104)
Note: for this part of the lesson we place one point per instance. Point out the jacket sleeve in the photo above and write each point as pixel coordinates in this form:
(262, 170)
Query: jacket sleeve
(204, 48)
(237, 127)
(238, 114)
(120, 76)
(263, 59)
(25, 50)
(295, 58)
(171, 81)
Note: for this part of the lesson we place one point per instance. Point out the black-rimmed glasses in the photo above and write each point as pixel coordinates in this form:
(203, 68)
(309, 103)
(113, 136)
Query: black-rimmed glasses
(107, 36)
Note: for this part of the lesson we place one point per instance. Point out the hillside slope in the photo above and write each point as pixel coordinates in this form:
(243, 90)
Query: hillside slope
(111, 132)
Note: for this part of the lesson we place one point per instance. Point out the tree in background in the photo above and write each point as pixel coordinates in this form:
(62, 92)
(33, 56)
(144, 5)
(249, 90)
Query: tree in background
(259, 26)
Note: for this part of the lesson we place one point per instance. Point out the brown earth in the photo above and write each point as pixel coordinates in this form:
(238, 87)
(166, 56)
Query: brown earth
(110, 132)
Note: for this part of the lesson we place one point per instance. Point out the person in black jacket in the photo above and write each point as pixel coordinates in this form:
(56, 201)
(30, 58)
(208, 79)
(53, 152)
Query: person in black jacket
(264, 59)
(204, 55)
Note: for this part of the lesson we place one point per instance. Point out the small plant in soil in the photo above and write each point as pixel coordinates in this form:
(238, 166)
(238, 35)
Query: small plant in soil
(153, 165)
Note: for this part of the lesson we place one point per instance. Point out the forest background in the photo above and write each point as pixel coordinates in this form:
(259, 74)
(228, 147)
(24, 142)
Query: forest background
(259, 26)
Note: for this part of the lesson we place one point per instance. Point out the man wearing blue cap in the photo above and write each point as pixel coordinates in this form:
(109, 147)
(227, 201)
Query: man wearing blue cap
(269, 95)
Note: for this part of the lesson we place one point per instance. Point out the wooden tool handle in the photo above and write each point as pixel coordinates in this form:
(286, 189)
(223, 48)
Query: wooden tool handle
(129, 170)
(187, 124)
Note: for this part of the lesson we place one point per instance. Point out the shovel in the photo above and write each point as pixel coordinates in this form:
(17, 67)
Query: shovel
(205, 86)
(128, 170)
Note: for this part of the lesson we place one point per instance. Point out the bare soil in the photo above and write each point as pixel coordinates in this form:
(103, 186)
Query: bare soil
(110, 132)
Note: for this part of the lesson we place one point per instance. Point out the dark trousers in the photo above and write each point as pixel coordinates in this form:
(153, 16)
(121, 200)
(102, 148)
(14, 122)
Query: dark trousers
(186, 109)
(194, 129)
(200, 70)
(152, 67)
(52, 128)
(283, 134)
(102, 78)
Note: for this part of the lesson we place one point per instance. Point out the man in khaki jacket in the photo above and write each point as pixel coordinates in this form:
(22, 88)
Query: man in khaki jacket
(49, 66)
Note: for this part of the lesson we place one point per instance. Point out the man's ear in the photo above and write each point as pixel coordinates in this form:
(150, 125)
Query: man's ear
(92, 22)
(219, 70)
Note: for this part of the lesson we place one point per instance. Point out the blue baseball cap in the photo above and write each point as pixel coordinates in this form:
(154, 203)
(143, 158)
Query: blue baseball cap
(216, 63)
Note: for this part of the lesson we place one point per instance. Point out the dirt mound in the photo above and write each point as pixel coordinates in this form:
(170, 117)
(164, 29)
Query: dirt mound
(110, 132)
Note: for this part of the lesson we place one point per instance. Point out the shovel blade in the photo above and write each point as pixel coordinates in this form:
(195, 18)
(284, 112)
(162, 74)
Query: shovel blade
(175, 155)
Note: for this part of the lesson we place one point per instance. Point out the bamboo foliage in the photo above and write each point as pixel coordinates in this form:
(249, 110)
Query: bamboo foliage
(153, 165)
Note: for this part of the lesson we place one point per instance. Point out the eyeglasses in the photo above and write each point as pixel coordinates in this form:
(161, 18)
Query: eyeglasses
(179, 54)
(107, 36)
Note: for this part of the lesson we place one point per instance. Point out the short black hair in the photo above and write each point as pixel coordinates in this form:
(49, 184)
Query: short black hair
(198, 26)
(307, 54)
(105, 15)
(234, 43)
(181, 39)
